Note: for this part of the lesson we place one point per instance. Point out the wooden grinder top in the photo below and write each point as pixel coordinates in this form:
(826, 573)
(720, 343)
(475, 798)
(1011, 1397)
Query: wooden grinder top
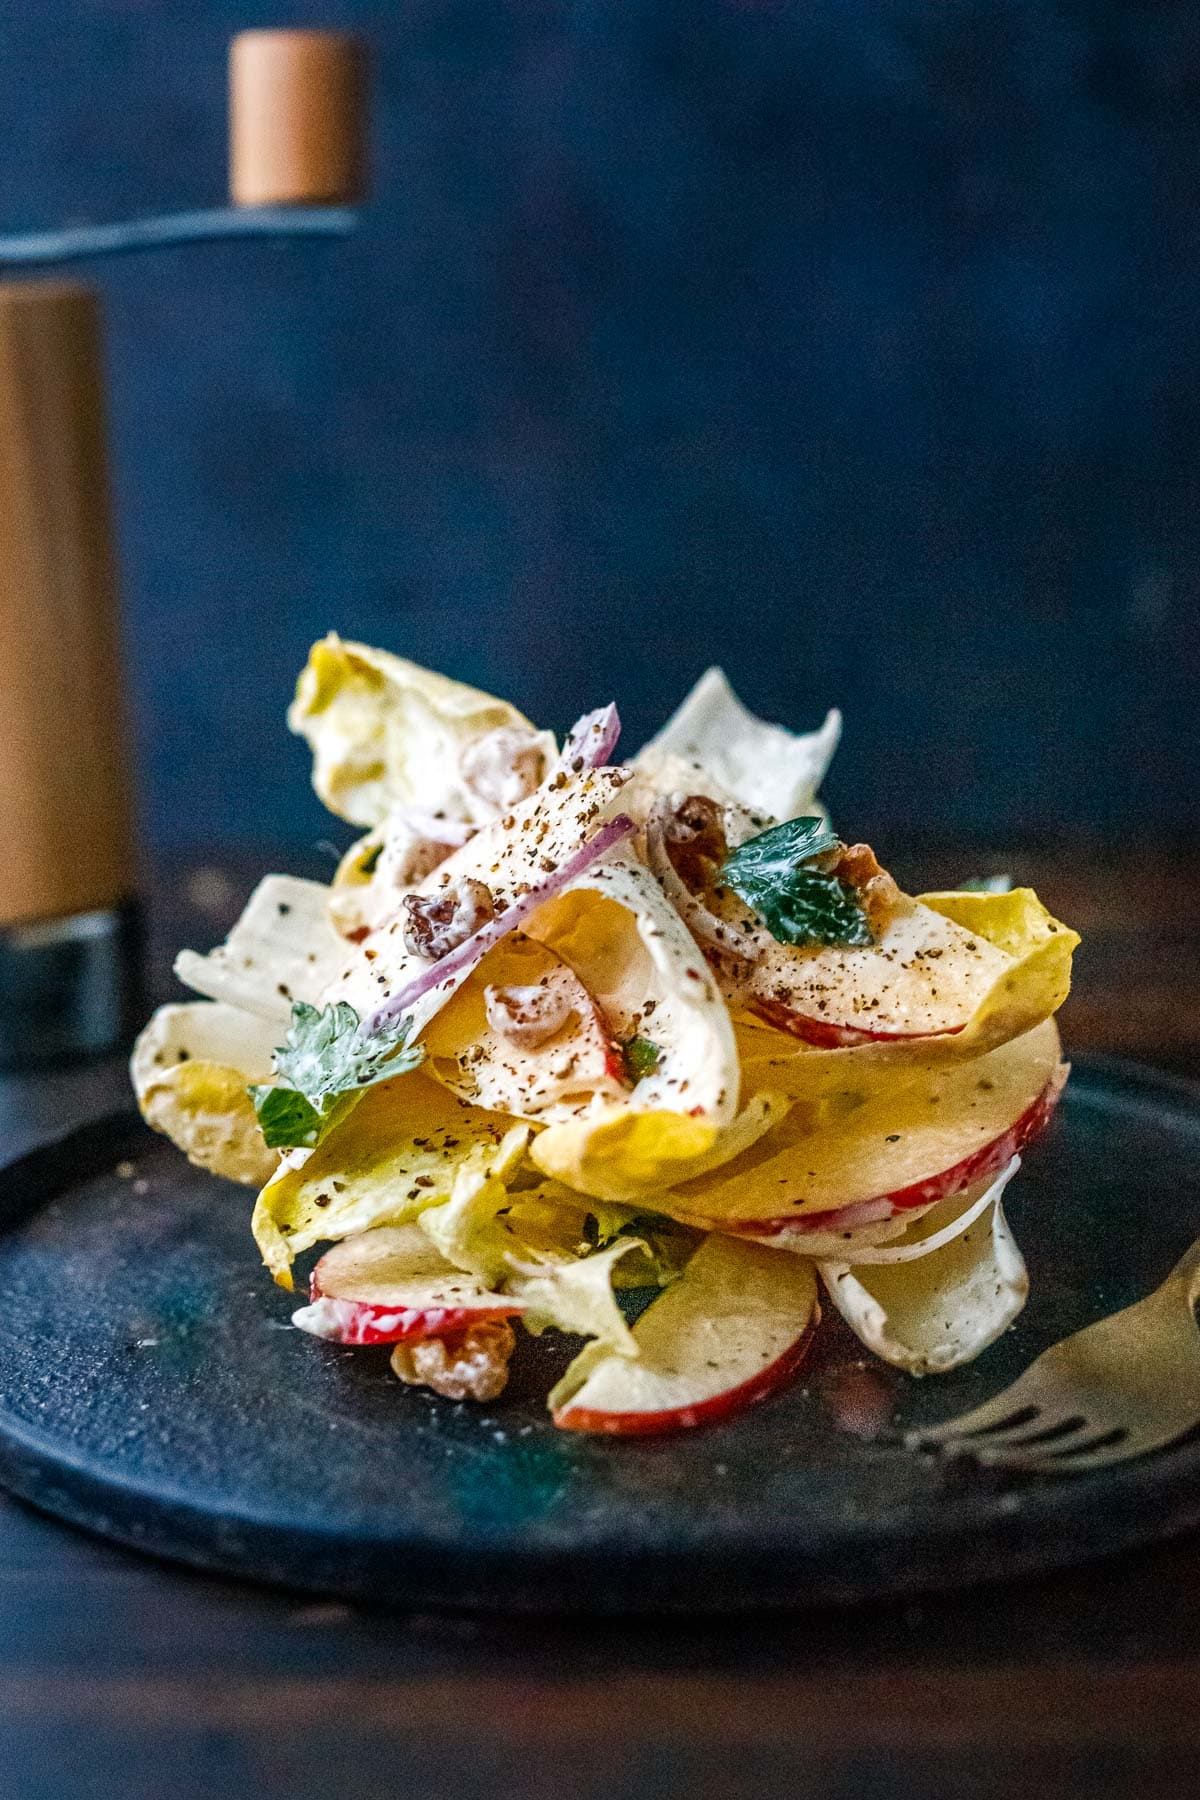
(296, 119)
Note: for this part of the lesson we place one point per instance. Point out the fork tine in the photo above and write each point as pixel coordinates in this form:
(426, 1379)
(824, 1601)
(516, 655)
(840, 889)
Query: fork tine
(1038, 1452)
(1032, 1440)
(1007, 1408)
(1120, 1444)
(1100, 1456)
(1046, 1433)
(1085, 1449)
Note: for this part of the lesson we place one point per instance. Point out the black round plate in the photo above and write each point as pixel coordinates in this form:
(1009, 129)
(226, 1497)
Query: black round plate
(154, 1391)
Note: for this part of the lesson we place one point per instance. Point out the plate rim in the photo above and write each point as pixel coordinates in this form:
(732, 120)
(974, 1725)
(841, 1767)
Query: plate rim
(1039, 1533)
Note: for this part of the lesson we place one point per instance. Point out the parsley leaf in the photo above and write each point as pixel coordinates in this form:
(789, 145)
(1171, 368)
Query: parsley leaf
(288, 1121)
(641, 1057)
(326, 1062)
(798, 905)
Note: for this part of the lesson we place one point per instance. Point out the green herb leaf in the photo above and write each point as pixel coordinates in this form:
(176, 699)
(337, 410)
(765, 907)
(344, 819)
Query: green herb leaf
(288, 1121)
(798, 905)
(641, 1057)
(327, 1061)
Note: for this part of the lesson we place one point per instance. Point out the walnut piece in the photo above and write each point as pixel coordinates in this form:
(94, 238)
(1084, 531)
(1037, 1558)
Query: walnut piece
(878, 894)
(695, 840)
(472, 1365)
(440, 922)
(527, 1015)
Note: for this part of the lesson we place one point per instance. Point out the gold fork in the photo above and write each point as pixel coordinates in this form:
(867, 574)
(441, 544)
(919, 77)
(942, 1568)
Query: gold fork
(1125, 1385)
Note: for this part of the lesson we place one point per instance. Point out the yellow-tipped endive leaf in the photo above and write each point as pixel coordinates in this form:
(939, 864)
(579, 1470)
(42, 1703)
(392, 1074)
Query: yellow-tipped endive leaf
(616, 929)
(352, 901)
(931, 1312)
(190, 1069)
(486, 1230)
(625, 1156)
(556, 1078)
(396, 1153)
(1041, 948)
(1026, 992)
(492, 1232)
(283, 948)
(465, 1227)
(354, 870)
(385, 732)
(765, 767)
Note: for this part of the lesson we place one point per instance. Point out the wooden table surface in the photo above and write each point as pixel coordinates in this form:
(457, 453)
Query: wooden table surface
(124, 1679)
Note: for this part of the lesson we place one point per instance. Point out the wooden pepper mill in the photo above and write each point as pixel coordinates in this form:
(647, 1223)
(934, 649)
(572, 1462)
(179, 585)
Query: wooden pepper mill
(69, 921)
(67, 868)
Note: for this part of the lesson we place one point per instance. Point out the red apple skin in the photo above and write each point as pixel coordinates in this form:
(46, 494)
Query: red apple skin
(760, 1386)
(834, 1037)
(362, 1324)
(989, 1159)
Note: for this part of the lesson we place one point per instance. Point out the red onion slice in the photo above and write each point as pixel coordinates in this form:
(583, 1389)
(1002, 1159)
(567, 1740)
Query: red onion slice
(591, 741)
(464, 958)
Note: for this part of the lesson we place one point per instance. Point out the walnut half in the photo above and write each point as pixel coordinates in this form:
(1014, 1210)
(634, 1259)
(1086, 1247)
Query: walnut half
(878, 894)
(441, 921)
(472, 1365)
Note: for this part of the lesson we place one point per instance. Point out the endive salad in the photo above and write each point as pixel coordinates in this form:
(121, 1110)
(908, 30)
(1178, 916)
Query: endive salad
(566, 1026)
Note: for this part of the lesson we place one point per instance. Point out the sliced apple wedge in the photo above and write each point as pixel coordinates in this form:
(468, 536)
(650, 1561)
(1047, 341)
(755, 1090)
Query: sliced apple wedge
(922, 973)
(980, 1165)
(732, 1330)
(391, 1284)
(948, 1126)
(924, 976)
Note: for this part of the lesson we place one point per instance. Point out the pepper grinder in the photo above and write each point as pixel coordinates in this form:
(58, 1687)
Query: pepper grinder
(70, 934)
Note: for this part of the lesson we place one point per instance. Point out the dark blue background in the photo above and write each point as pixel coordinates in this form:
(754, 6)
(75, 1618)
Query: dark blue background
(852, 343)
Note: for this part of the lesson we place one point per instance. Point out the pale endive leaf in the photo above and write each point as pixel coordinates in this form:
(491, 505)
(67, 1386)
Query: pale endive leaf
(936, 1312)
(577, 1296)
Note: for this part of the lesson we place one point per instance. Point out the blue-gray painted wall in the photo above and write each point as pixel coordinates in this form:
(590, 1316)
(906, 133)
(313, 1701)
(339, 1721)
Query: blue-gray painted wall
(852, 343)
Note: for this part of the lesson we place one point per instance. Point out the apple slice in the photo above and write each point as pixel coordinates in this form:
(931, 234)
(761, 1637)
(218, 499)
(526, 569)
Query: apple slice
(947, 1127)
(980, 1165)
(391, 1284)
(732, 1330)
(924, 976)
